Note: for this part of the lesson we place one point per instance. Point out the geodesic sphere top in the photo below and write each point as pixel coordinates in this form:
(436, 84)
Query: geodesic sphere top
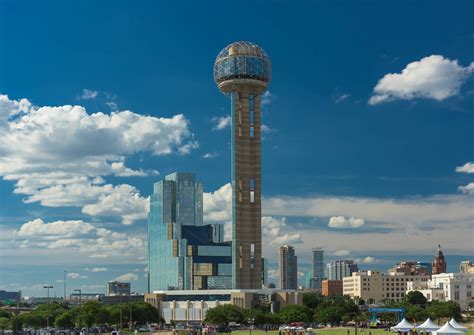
(242, 60)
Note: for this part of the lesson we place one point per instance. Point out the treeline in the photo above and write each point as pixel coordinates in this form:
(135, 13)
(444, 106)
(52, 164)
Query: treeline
(91, 313)
(335, 310)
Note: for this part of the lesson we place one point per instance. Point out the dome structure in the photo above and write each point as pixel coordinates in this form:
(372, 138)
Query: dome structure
(242, 63)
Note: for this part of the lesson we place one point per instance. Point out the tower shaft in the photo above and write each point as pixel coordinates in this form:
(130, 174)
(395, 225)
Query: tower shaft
(246, 187)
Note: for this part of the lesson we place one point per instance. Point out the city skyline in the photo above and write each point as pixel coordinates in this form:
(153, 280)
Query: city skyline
(356, 157)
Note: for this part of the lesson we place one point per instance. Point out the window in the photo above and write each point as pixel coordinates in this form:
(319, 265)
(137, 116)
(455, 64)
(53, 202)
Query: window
(469, 294)
(252, 255)
(252, 190)
(456, 294)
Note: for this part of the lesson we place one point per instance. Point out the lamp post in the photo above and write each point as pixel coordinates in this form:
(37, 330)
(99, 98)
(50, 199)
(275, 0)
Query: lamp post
(251, 321)
(47, 319)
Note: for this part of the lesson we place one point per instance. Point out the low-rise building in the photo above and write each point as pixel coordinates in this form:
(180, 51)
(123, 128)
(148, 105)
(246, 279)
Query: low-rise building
(456, 287)
(117, 288)
(331, 288)
(466, 267)
(374, 286)
(192, 305)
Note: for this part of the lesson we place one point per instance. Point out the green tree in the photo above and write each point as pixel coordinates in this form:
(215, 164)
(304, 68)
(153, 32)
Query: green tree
(331, 314)
(417, 313)
(92, 313)
(4, 323)
(312, 300)
(65, 320)
(416, 298)
(295, 313)
(5, 314)
(223, 314)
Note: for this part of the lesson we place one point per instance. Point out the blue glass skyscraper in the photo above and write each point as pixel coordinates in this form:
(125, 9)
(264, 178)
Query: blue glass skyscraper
(182, 252)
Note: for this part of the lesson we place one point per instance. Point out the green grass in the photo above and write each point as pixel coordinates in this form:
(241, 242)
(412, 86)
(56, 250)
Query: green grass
(329, 331)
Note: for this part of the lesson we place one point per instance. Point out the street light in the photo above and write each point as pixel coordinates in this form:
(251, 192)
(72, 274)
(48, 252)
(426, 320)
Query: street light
(251, 321)
(47, 319)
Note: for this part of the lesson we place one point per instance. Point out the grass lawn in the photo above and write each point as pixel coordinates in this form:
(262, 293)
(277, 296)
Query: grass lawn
(331, 331)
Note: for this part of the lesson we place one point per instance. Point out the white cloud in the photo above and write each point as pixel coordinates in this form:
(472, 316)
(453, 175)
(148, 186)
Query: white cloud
(265, 129)
(221, 122)
(366, 260)
(342, 97)
(467, 189)
(78, 235)
(342, 222)
(272, 232)
(288, 239)
(433, 77)
(37, 227)
(127, 277)
(58, 155)
(466, 168)
(96, 269)
(266, 98)
(218, 204)
(75, 275)
(112, 105)
(343, 252)
(209, 155)
(88, 94)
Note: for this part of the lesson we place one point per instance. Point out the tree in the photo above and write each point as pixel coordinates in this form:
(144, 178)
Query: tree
(4, 323)
(444, 309)
(92, 313)
(295, 313)
(417, 313)
(312, 300)
(65, 320)
(331, 314)
(223, 314)
(416, 298)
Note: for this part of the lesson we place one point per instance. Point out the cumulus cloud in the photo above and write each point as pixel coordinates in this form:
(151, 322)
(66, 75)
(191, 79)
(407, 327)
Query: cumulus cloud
(127, 277)
(58, 156)
(221, 122)
(432, 77)
(466, 168)
(343, 252)
(218, 204)
(88, 94)
(75, 275)
(96, 269)
(366, 260)
(342, 222)
(467, 189)
(78, 235)
(272, 232)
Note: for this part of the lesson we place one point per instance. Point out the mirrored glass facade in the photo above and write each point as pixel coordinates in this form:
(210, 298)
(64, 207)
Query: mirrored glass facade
(182, 252)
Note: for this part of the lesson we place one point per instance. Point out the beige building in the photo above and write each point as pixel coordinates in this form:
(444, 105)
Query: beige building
(466, 267)
(374, 286)
(192, 305)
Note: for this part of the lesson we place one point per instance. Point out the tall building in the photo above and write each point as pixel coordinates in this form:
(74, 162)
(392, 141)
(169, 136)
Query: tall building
(117, 288)
(339, 269)
(184, 254)
(439, 263)
(318, 268)
(288, 268)
(242, 70)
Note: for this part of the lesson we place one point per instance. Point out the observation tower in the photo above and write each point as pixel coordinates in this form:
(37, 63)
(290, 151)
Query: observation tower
(242, 70)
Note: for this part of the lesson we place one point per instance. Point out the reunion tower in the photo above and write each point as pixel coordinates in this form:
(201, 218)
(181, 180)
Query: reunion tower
(242, 70)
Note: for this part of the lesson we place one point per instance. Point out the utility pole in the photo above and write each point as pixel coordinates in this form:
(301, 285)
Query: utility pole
(64, 281)
(47, 319)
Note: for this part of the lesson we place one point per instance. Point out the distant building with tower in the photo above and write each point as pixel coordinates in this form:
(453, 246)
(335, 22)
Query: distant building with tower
(287, 268)
(439, 263)
(411, 268)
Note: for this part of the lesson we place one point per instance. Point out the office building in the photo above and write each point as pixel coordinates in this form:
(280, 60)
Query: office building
(117, 288)
(376, 287)
(191, 306)
(331, 288)
(439, 263)
(184, 254)
(317, 267)
(242, 71)
(411, 268)
(288, 268)
(264, 272)
(10, 296)
(458, 287)
(466, 267)
(337, 270)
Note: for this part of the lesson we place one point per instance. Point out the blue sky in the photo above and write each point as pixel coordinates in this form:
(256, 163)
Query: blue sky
(369, 129)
